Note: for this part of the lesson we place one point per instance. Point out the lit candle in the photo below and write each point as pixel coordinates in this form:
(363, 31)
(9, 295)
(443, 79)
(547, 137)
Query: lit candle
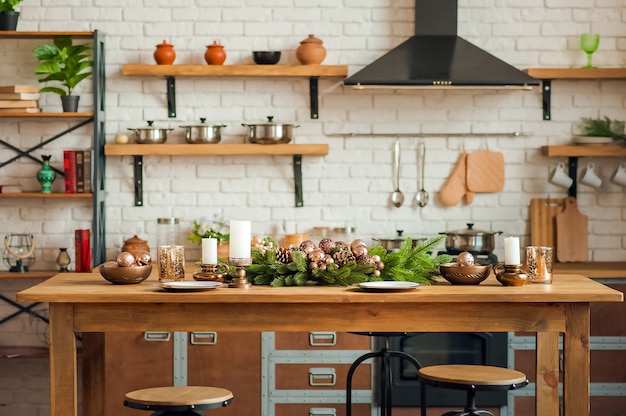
(511, 250)
(240, 239)
(209, 251)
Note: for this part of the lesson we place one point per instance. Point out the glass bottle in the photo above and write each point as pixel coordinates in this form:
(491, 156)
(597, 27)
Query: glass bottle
(167, 231)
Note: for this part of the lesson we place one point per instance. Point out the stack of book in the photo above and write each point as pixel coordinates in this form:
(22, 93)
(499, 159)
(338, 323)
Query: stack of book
(10, 189)
(19, 99)
(77, 171)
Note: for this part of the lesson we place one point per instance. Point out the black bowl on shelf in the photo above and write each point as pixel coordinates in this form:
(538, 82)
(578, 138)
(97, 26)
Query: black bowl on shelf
(266, 57)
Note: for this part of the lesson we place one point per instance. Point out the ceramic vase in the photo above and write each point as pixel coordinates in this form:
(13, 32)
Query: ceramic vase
(46, 175)
(164, 54)
(311, 51)
(215, 54)
(63, 260)
(8, 20)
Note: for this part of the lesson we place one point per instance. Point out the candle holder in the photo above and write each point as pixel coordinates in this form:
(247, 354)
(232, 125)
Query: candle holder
(239, 281)
(510, 274)
(211, 272)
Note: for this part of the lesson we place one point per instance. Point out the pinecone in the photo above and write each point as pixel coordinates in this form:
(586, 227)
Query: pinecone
(283, 255)
(327, 245)
(364, 259)
(343, 256)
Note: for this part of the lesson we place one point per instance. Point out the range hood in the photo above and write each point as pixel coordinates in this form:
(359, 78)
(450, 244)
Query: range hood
(435, 57)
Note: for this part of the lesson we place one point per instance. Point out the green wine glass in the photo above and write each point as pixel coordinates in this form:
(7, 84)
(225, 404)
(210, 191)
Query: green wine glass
(589, 44)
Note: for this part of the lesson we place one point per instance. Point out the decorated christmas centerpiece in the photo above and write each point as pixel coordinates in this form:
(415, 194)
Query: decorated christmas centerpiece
(339, 263)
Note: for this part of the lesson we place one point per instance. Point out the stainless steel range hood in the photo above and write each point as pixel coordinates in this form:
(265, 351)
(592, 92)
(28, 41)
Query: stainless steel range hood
(435, 57)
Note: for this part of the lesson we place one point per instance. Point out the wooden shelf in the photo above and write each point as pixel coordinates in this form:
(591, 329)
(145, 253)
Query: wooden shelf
(40, 195)
(48, 115)
(33, 274)
(9, 34)
(237, 70)
(582, 151)
(7, 351)
(214, 149)
(577, 73)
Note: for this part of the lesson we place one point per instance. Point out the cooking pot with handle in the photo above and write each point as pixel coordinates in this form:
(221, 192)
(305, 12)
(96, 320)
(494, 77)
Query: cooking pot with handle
(469, 239)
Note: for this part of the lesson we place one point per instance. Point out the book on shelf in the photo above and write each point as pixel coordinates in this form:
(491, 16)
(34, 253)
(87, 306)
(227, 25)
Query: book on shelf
(19, 95)
(20, 110)
(19, 104)
(69, 171)
(80, 172)
(83, 251)
(88, 170)
(10, 189)
(18, 88)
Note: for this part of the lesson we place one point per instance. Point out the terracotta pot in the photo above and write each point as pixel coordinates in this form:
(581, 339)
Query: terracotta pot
(134, 245)
(164, 54)
(311, 51)
(215, 54)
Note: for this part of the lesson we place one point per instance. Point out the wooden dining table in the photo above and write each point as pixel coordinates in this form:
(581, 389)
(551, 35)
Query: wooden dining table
(89, 305)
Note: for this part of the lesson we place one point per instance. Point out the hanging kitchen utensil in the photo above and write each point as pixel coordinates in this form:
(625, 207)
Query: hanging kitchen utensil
(422, 196)
(397, 197)
(455, 188)
(485, 171)
(571, 233)
(543, 212)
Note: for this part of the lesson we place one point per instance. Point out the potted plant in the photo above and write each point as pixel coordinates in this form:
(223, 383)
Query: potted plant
(65, 63)
(601, 128)
(8, 14)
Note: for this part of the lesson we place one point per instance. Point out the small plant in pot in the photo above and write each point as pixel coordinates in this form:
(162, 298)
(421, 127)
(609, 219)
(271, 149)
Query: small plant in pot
(8, 14)
(601, 127)
(65, 63)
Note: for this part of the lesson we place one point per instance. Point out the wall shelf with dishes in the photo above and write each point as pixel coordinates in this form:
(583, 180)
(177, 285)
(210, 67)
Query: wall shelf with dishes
(546, 75)
(170, 72)
(222, 149)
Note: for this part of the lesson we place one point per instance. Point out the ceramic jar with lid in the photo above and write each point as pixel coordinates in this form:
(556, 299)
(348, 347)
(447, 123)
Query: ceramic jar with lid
(135, 244)
(215, 54)
(311, 51)
(164, 54)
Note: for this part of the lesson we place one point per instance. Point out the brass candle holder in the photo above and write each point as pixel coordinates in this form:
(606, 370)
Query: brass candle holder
(239, 280)
(510, 274)
(211, 272)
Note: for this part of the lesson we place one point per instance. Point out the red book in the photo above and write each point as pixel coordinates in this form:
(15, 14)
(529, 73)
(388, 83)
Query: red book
(69, 168)
(83, 251)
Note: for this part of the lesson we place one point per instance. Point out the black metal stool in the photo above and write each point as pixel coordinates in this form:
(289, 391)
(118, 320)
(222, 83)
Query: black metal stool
(471, 378)
(178, 400)
(384, 370)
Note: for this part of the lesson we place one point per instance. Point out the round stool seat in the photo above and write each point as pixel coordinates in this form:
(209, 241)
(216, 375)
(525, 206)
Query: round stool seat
(477, 375)
(178, 398)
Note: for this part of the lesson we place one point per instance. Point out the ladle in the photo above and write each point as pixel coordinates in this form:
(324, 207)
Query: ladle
(397, 197)
(422, 196)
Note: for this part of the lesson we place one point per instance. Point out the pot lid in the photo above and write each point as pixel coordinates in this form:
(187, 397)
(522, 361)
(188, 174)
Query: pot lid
(398, 237)
(135, 240)
(469, 231)
(149, 127)
(270, 122)
(203, 124)
(312, 39)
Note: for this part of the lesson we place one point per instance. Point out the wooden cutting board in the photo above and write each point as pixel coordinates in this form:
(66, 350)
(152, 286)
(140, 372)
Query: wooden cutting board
(543, 212)
(485, 171)
(571, 233)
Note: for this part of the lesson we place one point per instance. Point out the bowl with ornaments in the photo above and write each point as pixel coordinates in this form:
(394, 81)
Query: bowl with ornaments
(127, 268)
(465, 271)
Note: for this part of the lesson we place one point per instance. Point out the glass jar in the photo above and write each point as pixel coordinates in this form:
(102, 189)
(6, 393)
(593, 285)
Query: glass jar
(167, 231)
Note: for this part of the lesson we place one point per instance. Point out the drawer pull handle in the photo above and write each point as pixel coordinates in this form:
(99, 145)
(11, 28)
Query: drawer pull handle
(322, 339)
(321, 376)
(322, 411)
(157, 336)
(204, 338)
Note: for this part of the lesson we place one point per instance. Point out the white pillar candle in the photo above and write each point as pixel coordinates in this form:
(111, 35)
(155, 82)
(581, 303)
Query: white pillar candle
(511, 250)
(240, 239)
(209, 251)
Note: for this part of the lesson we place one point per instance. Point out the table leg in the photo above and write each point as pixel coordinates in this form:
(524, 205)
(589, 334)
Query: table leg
(547, 374)
(63, 366)
(576, 351)
(93, 374)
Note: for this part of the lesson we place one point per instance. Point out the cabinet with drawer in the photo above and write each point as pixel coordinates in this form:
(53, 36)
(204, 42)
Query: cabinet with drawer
(304, 373)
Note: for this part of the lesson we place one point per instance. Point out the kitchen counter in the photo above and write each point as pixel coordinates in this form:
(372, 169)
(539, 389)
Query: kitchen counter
(595, 270)
(88, 304)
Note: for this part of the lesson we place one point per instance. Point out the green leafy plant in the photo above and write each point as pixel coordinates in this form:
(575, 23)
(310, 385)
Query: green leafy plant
(216, 228)
(63, 62)
(8, 5)
(601, 127)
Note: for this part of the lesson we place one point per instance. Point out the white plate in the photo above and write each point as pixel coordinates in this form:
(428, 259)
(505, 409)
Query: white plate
(592, 140)
(388, 285)
(195, 285)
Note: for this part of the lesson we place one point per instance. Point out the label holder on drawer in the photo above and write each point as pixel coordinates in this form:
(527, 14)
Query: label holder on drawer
(322, 339)
(319, 376)
(322, 411)
(157, 336)
(204, 338)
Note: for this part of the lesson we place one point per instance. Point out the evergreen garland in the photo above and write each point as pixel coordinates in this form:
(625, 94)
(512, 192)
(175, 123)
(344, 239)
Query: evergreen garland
(411, 264)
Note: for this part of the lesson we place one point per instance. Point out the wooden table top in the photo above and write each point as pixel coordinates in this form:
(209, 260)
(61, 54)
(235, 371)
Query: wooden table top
(92, 288)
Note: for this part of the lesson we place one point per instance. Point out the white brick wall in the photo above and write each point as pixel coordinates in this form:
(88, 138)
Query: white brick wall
(350, 185)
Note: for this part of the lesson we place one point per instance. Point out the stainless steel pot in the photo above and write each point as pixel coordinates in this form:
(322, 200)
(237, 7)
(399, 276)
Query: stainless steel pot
(203, 133)
(474, 241)
(394, 244)
(150, 134)
(270, 132)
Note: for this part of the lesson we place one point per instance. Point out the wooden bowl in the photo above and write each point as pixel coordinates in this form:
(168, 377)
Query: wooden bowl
(125, 275)
(464, 275)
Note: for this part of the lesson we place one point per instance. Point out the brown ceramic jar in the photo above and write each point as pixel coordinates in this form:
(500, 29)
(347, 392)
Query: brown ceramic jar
(164, 54)
(215, 54)
(311, 51)
(134, 245)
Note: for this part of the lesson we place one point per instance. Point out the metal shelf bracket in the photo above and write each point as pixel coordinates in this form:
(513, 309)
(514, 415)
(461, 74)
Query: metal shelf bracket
(546, 89)
(572, 164)
(297, 177)
(138, 172)
(171, 96)
(314, 97)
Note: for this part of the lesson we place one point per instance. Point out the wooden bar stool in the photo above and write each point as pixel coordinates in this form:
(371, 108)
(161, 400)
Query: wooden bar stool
(471, 378)
(178, 400)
